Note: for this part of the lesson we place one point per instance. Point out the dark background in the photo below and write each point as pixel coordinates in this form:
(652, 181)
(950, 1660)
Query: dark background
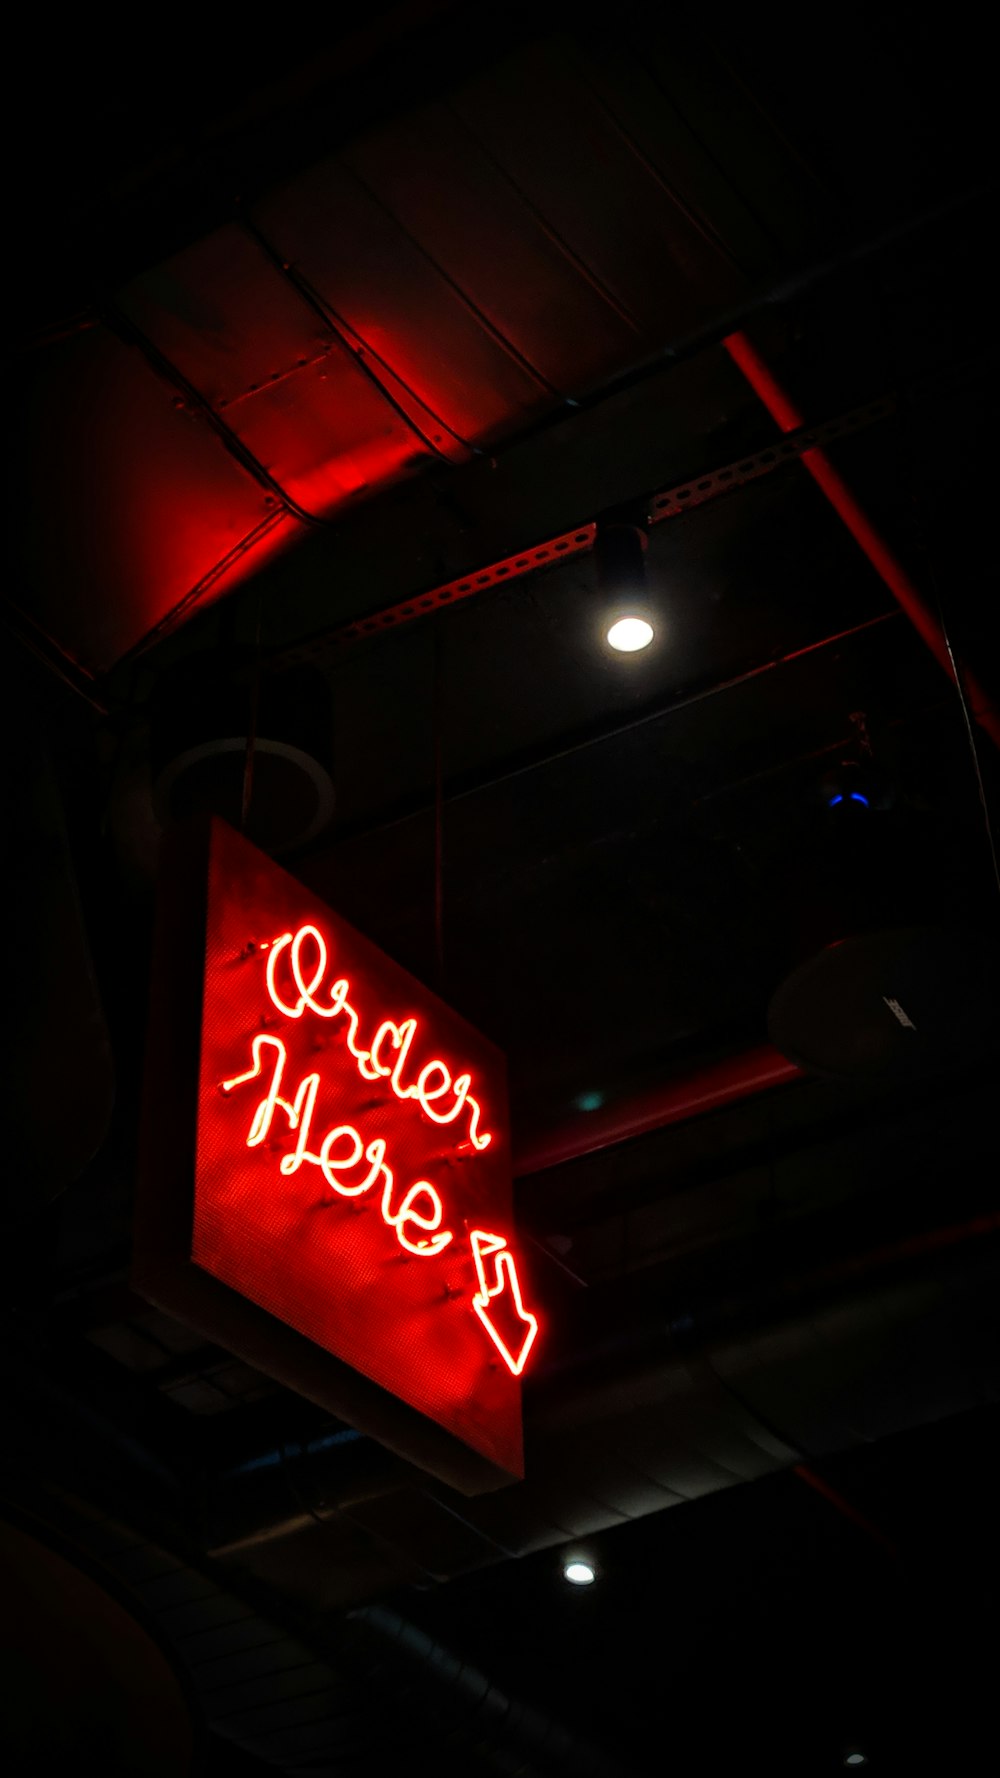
(499, 318)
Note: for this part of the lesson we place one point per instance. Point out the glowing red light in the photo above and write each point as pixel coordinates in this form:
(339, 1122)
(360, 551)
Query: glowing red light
(352, 1149)
(489, 1294)
(299, 1113)
(401, 1035)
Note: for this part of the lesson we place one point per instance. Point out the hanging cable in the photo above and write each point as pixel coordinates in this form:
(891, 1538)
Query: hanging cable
(436, 695)
(852, 514)
(248, 759)
(959, 673)
(970, 731)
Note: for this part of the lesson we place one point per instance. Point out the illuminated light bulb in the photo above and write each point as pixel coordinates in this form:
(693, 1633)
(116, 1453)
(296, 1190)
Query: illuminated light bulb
(620, 542)
(855, 1759)
(496, 1268)
(400, 1035)
(579, 1574)
(629, 634)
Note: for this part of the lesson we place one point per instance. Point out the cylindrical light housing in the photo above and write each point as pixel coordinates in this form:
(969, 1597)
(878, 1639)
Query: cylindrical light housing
(626, 617)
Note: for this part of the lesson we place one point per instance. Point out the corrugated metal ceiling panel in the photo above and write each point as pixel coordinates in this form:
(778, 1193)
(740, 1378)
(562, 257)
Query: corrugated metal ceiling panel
(226, 317)
(281, 379)
(621, 218)
(131, 500)
(446, 279)
(431, 174)
(366, 268)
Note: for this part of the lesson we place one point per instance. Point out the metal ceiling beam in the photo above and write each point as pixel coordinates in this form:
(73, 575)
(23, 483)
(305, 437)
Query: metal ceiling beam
(668, 503)
(457, 789)
(866, 534)
(669, 1102)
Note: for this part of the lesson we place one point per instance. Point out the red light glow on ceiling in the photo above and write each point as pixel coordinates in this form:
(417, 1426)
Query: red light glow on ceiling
(352, 1148)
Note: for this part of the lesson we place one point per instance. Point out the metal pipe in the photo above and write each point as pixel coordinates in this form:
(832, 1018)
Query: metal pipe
(502, 1727)
(670, 1102)
(843, 1506)
(849, 509)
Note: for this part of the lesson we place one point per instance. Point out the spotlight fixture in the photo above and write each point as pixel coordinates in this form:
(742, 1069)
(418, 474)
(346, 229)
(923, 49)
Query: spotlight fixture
(629, 634)
(620, 552)
(579, 1573)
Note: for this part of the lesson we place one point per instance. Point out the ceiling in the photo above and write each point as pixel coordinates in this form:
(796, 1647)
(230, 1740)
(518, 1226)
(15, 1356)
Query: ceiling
(327, 346)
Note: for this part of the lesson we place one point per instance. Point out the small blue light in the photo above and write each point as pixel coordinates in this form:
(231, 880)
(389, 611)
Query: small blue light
(590, 1101)
(834, 800)
(856, 797)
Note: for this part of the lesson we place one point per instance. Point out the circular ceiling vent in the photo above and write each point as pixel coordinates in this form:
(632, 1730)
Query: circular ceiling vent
(202, 716)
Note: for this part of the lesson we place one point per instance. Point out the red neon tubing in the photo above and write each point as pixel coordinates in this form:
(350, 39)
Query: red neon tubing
(498, 1283)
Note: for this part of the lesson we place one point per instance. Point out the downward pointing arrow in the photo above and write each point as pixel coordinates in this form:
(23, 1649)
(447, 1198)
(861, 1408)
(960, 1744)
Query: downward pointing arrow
(501, 1289)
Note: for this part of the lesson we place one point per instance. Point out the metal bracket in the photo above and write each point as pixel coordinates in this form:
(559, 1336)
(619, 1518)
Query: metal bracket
(670, 503)
(543, 555)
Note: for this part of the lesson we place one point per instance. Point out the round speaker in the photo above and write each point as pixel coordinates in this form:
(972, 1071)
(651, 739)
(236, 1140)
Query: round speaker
(892, 1004)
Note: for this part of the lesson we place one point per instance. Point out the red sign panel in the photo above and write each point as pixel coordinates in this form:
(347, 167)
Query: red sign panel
(352, 1156)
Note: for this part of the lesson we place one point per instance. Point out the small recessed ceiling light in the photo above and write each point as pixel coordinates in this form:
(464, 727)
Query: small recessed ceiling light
(630, 634)
(591, 1100)
(855, 1759)
(579, 1574)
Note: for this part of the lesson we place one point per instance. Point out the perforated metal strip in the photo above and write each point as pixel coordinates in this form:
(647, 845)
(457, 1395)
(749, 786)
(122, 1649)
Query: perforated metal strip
(542, 555)
(668, 504)
(698, 490)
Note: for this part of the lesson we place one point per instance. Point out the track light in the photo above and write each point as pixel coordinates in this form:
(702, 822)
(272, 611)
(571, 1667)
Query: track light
(620, 551)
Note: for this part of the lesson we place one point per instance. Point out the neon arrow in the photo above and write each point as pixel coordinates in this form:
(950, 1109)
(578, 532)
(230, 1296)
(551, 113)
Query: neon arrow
(505, 1278)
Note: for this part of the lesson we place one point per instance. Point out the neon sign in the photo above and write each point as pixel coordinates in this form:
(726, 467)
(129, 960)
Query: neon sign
(504, 1278)
(332, 1003)
(350, 1169)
